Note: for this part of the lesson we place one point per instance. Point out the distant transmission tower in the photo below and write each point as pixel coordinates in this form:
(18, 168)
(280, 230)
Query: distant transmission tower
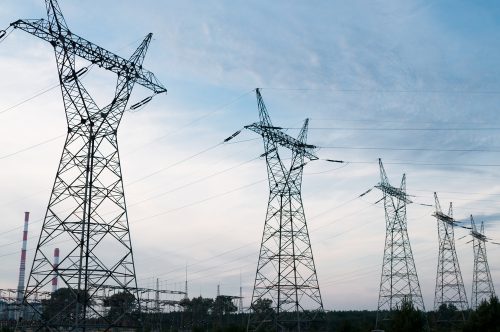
(86, 216)
(286, 293)
(482, 284)
(450, 290)
(399, 281)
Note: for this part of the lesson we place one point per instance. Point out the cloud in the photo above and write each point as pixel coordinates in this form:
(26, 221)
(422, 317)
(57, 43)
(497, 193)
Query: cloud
(384, 66)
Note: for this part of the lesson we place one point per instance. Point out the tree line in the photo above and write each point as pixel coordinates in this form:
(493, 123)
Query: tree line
(221, 315)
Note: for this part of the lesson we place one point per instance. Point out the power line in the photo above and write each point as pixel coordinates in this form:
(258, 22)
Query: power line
(194, 182)
(200, 201)
(41, 92)
(414, 163)
(408, 149)
(333, 90)
(398, 129)
(31, 147)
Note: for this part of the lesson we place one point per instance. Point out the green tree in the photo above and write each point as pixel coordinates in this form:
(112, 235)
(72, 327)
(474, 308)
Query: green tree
(486, 318)
(223, 305)
(407, 319)
(263, 307)
(62, 306)
(120, 305)
(196, 311)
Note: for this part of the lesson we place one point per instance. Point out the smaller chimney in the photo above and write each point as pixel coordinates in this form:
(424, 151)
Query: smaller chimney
(22, 267)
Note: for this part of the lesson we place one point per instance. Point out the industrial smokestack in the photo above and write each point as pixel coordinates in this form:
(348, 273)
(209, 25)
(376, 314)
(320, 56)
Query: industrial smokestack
(22, 267)
(56, 264)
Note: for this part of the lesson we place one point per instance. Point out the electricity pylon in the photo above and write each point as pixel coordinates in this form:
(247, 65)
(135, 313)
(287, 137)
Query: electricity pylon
(286, 294)
(450, 290)
(86, 214)
(482, 284)
(399, 281)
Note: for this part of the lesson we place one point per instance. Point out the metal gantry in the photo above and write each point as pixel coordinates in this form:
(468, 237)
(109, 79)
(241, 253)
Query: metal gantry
(286, 294)
(399, 281)
(450, 290)
(482, 284)
(86, 215)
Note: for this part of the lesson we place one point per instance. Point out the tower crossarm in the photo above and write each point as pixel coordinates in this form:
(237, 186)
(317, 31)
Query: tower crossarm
(276, 135)
(475, 233)
(444, 217)
(394, 192)
(81, 47)
(479, 236)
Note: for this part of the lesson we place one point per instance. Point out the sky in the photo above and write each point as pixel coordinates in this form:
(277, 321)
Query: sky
(415, 83)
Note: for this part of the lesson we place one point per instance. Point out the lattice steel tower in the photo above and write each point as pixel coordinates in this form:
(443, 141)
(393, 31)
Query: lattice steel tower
(450, 288)
(399, 279)
(286, 275)
(86, 214)
(482, 284)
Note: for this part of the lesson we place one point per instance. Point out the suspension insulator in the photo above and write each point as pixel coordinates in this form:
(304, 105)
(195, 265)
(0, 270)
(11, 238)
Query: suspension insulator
(232, 136)
(268, 152)
(141, 103)
(2, 34)
(298, 167)
(80, 72)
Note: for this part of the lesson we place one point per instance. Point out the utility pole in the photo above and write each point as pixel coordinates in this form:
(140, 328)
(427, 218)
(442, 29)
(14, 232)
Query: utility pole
(399, 281)
(450, 290)
(482, 284)
(87, 211)
(286, 294)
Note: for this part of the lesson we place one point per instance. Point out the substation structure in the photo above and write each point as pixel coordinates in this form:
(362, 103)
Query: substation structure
(152, 302)
(399, 280)
(86, 215)
(286, 294)
(450, 290)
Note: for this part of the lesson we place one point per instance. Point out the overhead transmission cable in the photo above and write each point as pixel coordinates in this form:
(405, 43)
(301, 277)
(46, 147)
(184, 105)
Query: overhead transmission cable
(408, 149)
(398, 128)
(420, 91)
(255, 242)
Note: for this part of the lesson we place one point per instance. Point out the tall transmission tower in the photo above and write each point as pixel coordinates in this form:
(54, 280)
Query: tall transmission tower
(87, 215)
(286, 294)
(399, 281)
(450, 290)
(482, 284)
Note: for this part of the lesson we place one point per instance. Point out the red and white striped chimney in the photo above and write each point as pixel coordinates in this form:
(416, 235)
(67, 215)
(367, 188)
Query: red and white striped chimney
(22, 267)
(56, 264)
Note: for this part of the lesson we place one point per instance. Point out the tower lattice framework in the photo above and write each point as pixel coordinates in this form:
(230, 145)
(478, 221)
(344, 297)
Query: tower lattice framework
(450, 290)
(86, 216)
(482, 284)
(286, 294)
(399, 280)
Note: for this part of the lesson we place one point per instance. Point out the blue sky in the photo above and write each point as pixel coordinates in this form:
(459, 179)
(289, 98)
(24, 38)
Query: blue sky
(375, 77)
